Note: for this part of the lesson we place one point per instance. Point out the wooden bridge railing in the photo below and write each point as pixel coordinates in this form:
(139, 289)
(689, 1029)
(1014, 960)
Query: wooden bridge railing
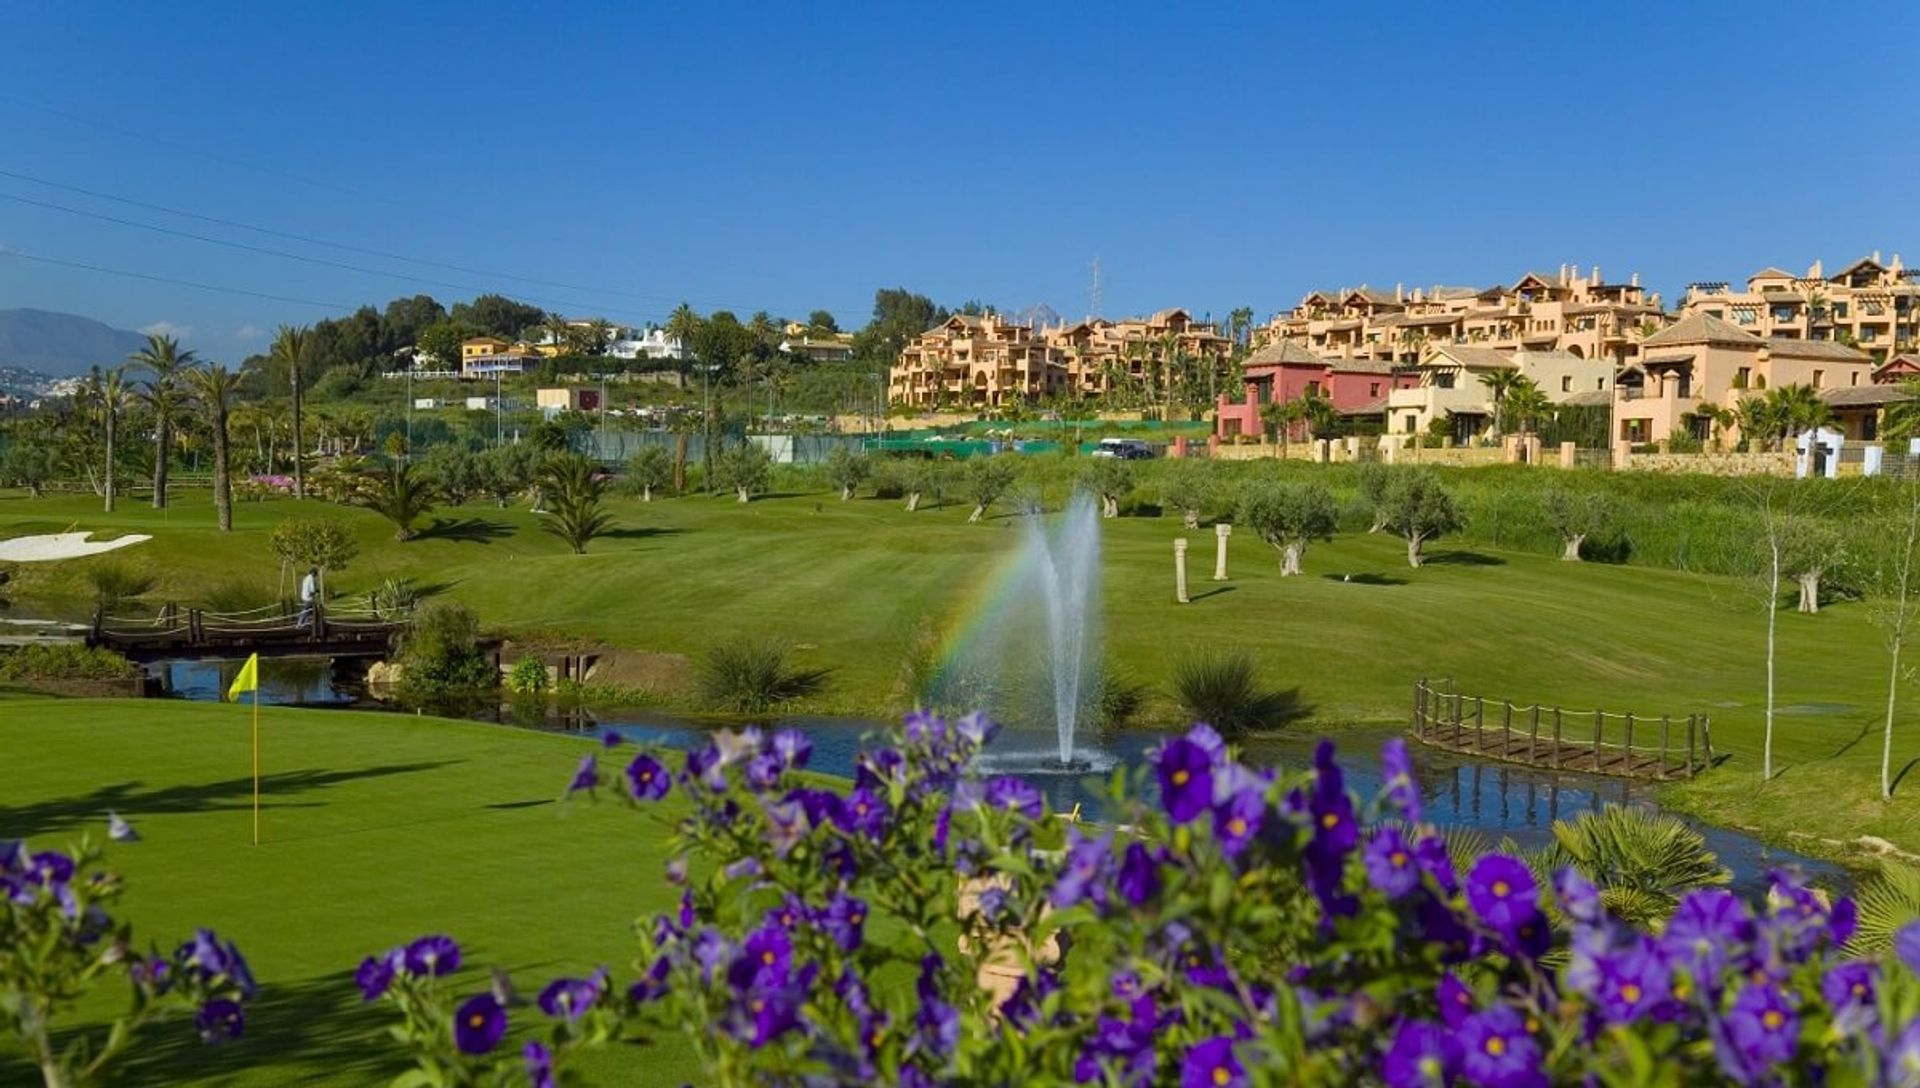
(1590, 741)
(272, 625)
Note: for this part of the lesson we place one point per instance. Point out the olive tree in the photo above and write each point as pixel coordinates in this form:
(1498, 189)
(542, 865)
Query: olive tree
(1375, 479)
(321, 543)
(1289, 517)
(1576, 515)
(649, 470)
(1108, 478)
(1418, 509)
(744, 469)
(1188, 487)
(847, 470)
(1810, 549)
(986, 479)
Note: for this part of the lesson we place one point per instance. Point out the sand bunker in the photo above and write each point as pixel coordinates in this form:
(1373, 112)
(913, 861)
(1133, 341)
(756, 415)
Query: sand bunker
(41, 549)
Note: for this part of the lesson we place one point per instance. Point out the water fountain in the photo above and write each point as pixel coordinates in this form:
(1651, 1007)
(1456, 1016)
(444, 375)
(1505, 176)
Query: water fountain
(1031, 654)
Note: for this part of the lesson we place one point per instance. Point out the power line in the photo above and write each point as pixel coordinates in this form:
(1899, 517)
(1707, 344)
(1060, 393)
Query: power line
(341, 246)
(6, 252)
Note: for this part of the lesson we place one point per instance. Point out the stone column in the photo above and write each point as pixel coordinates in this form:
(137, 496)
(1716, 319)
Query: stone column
(1569, 455)
(1221, 532)
(1180, 570)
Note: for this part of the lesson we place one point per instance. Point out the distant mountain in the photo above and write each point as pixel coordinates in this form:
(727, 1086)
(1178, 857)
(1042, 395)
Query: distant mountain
(1039, 315)
(62, 344)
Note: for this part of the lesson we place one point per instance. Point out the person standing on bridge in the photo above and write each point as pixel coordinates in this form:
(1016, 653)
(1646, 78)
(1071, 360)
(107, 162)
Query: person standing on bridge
(309, 588)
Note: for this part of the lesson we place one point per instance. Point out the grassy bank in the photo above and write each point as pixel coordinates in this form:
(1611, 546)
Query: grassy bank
(855, 586)
(376, 829)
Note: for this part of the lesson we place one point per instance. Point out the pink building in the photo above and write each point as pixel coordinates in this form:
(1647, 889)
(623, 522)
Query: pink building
(1286, 371)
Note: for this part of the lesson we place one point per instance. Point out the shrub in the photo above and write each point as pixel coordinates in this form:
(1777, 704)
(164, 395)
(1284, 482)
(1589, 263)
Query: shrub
(1642, 860)
(1289, 517)
(300, 543)
(748, 676)
(1419, 510)
(116, 581)
(440, 654)
(743, 469)
(847, 470)
(528, 677)
(985, 479)
(1187, 487)
(649, 470)
(1576, 516)
(239, 594)
(1222, 688)
(65, 661)
(393, 596)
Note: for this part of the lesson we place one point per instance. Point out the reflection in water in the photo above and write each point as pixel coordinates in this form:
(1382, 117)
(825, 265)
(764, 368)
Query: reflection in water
(284, 681)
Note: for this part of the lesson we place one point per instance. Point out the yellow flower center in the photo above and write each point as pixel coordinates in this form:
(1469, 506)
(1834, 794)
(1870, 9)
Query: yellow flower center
(767, 957)
(1330, 821)
(1398, 859)
(1221, 1076)
(1859, 989)
(1496, 1046)
(1501, 889)
(855, 917)
(1180, 777)
(1630, 992)
(1237, 826)
(757, 1004)
(1532, 1025)
(1429, 1068)
(1772, 1019)
(476, 1020)
(861, 808)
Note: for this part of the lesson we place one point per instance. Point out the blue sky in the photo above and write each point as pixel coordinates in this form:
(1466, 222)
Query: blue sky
(793, 158)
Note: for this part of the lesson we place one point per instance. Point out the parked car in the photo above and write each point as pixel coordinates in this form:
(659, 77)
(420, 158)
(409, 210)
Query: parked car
(1126, 449)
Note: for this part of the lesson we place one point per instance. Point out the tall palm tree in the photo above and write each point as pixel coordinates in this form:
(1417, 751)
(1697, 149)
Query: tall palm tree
(108, 389)
(289, 346)
(213, 388)
(1499, 383)
(1526, 404)
(1756, 419)
(1797, 408)
(165, 363)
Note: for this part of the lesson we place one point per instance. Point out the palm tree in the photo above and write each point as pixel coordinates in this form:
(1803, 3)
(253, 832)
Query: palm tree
(214, 387)
(164, 361)
(574, 488)
(1755, 417)
(1796, 409)
(1525, 404)
(400, 498)
(108, 388)
(289, 345)
(1499, 384)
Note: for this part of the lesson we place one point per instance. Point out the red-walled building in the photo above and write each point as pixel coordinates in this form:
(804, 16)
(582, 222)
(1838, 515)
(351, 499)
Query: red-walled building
(1285, 370)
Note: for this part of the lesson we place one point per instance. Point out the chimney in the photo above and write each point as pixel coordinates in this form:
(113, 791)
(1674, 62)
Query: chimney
(1876, 256)
(1894, 266)
(1563, 272)
(1596, 280)
(1635, 281)
(1815, 271)
(1400, 291)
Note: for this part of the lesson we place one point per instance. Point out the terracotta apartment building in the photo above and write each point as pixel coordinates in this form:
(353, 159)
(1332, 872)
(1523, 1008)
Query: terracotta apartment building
(1869, 305)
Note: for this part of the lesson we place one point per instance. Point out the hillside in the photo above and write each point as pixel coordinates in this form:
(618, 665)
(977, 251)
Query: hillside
(61, 344)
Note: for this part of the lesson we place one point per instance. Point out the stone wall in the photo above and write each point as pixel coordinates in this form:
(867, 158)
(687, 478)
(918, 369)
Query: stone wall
(1457, 456)
(1712, 463)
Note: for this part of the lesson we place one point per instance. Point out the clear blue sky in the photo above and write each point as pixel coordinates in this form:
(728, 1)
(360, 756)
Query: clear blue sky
(792, 158)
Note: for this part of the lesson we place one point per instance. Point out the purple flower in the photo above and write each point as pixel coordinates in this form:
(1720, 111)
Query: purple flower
(1578, 897)
(1707, 929)
(375, 973)
(1210, 741)
(539, 1064)
(1015, 795)
(120, 830)
(1335, 833)
(220, 1020)
(49, 867)
(793, 747)
(976, 729)
(843, 920)
(763, 771)
(1237, 820)
(1085, 872)
(1906, 942)
(1762, 1028)
(1456, 1001)
(1903, 1056)
(433, 955)
(611, 738)
(1502, 892)
(1633, 982)
(765, 958)
(588, 774)
(1498, 1052)
(1850, 985)
(1139, 878)
(653, 985)
(788, 915)
(864, 813)
(1399, 785)
(1431, 851)
(1185, 771)
(1843, 921)
(1423, 1055)
(677, 870)
(569, 997)
(205, 953)
(1390, 864)
(1211, 1064)
(479, 1023)
(647, 778)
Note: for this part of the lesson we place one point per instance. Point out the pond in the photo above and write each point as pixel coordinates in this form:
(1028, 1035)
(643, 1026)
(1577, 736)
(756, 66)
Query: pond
(1499, 800)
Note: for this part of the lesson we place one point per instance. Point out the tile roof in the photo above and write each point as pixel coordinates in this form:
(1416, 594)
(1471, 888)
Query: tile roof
(1865, 396)
(1772, 272)
(1476, 358)
(1285, 352)
(1360, 366)
(1370, 408)
(1588, 398)
(1816, 349)
(1701, 329)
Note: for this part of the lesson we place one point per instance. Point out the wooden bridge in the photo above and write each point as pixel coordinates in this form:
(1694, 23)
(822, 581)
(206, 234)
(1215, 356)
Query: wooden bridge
(1588, 741)
(273, 631)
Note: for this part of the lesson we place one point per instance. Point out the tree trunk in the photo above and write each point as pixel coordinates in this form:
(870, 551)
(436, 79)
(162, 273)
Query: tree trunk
(1886, 736)
(1379, 523)
(1572, 552)
(846, 492)
(680, 464)
(1109, 506)
(222, 482)
(979, 511)
(742, 492)
(1290, 558)
(112, 425)
(646, 492)
(1413, 551)
(1773, 611)
(1192, 519)
(913, 501)
(1809, 591)
(162, 442)
(299, 451)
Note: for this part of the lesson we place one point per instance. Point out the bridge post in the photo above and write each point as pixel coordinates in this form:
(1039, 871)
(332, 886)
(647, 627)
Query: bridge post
(1629, 756)
(1691, 719)
(1706, 738)
(1599, 717)
(1506, 728)
(1479, 723)
(1666, 723)
(1556, 738)
(1419, 708)
(1533, 734)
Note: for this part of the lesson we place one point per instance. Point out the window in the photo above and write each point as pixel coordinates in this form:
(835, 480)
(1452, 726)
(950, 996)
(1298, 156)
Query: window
(1742, 376)
(1408, 423)
(1839, 309)
(1868, 334)
(1855, 378)
(1566, 383)
(1819, 378)
(1600, 384)
(1373, 389)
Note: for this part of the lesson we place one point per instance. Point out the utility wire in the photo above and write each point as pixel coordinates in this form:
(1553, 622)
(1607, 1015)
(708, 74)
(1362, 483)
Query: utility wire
(14, 253)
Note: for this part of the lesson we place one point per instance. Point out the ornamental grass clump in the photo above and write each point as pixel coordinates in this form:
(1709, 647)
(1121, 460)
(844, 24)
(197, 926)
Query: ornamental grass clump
(1244, 926)
(1222, 688)
(747, 676)
(59, 943)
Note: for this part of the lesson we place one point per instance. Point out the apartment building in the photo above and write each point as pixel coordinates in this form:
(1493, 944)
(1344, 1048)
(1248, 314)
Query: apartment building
(1285, 370)
(1104, 355)
(1580, 315)
(1451, 382)
(982, 362)
(1868, 304)
(1704, 363)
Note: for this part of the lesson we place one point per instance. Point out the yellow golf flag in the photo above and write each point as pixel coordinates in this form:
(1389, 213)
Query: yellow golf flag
(248, 680)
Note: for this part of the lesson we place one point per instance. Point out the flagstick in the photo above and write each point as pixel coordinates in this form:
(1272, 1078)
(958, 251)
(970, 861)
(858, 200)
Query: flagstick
(256, 761)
